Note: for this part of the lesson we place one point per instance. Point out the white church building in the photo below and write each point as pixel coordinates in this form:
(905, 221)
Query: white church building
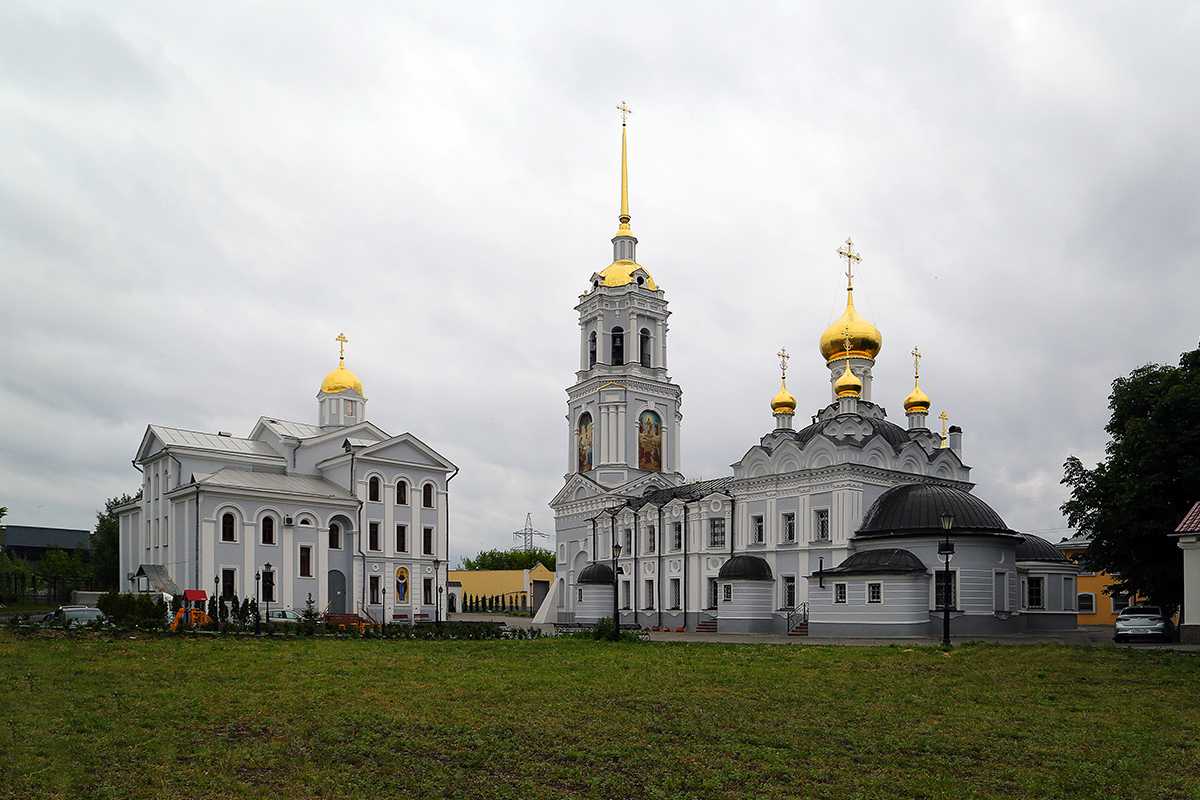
(834, 525)
(340, 510)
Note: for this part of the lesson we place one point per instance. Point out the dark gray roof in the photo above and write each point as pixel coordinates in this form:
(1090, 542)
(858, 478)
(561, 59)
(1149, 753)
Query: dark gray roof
(916, 508)
(1035, 548)
(156, 575)
(888, 560)
(688, 492)
(596, 573)
(891, 433)
(745, 568)
(50, 538)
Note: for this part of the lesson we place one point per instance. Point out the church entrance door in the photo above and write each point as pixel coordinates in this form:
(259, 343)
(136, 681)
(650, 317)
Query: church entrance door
(337, 592)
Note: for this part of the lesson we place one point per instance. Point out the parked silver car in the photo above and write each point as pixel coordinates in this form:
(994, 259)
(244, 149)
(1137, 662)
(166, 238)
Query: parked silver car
(282, 616)
(1143, 622)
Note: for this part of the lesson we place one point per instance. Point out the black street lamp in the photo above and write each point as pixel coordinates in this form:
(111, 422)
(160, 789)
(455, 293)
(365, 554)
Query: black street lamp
(616, 630)
(267, 568)
(217, 594)
(946, 549)
(257, 600)
(383, 603)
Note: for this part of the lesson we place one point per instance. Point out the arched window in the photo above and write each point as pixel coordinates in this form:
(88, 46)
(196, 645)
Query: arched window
(427, 495)
(618, 346)
(373, 489)
(268, 530)
(228, 531)
(335, 536)
(584, 458)
(402, 493)
(644, 341)
(591, 349)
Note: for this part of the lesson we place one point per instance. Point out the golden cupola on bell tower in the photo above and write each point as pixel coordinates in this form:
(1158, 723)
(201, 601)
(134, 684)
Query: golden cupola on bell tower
(865, 339)
(916, 405)
(341, 400)
(783, 404)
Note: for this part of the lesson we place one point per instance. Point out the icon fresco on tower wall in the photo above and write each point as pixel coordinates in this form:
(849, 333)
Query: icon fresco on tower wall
(650, 441)
(585, 442)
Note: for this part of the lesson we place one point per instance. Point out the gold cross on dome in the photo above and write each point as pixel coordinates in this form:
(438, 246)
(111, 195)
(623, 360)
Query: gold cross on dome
(846, 251)
(944, 417)
(342, 341)
(916, 354)
(625, 111)
(783, 359)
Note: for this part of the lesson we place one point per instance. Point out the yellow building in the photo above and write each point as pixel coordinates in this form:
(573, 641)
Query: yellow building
(1095, 605)
(523, 588)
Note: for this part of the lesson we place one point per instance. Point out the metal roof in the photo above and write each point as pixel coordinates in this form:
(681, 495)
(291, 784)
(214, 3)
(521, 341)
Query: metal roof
(745, 568)
(688, 492)
(296, 430)
(49, 538)
(310, 485)
(197, 440)
(1035, 548)
(158, 579)
(886, 561)
(917, 508)
(596, 574)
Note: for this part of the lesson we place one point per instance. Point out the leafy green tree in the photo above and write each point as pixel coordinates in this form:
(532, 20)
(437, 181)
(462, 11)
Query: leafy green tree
(62, 567)
(106, 543)
(510, 559)
(1130, 502)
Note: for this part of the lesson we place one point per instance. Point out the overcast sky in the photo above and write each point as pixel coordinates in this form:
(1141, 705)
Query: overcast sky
(195, 199)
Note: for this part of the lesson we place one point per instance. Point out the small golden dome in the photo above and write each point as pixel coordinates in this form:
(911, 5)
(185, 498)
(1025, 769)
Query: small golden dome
(917, 401)
(620, 273)
(783, 402)
(848, 384)
(341, 380)
(865, 339)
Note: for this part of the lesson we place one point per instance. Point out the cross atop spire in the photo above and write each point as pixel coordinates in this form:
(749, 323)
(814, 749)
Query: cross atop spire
(623, 228)
(916, 354)
(783, 359)
(342, 342)
(944, 417)
(846, 251)
(624, 110)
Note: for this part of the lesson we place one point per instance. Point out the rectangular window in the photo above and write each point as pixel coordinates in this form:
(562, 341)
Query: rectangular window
(821, 525)
(839, 593)
(875, 592)
(651, 535)
(1068, 592)
(716, 532)
(789, 591)
(401, 538)
(675, 593)
(148, 535)
(757, 533)
(580, 595)
(945, 593)
(625, 595)
(268, 586)
(427, 542)
(629, 541)
(373, 536)
(348, 408)
(306, 570)
(427, 592)
(1035, 593)
(335, 537)
(712, 592)
(727, 593)
(1000, 591)
(1087, 603)
(166, 533)
(677, 536)
(228, 578)
(789, 527)
(648, 595)
(374, 590)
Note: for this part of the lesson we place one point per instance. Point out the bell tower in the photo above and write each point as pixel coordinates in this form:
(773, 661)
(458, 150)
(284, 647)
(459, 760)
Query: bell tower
(623, 417)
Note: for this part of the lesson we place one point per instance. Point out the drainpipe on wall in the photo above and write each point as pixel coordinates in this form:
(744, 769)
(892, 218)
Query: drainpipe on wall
(633, 587)
(612, 532)
(659, 577)
(358, 534)
(447, 584)
(594, 538)
(732, 522)
(198, 538)
(685, 562)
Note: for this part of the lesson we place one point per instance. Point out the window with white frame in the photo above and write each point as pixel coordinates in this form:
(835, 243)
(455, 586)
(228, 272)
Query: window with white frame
(222, 533)
(427, 591)
(727, 592)
(427, 495)
(945, 589)
(839, 593)
(675, 598)
(651, 535)
(427, 542)
(821, 525)
(374, 492)
(401, 492)
(874, 592)
(348, 408)
(268, 530)
(228, 528)
(374, 591)
(401, 538)
(789, 527)
(1086, 602)
(268, 586)
(228, 583)
(789, 591)
(306, 565)
(628, 546)
(677, 536)
(648, 595)
(757, 532)
(373, 537)
(625, 595)
(716, 532)
(1035, 591)
(335, 536)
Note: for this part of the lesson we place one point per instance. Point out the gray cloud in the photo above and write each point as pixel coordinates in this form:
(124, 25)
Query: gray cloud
(193, 204)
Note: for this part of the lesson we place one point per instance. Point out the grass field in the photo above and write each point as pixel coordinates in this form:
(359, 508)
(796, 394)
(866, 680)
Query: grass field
(171, 718)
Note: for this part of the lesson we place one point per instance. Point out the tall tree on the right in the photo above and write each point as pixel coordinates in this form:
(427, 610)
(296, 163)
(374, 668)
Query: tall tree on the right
(1131, 501)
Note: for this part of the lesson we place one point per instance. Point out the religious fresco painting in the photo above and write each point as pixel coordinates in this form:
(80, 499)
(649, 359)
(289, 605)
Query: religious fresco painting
(402, 584)
(650, 441)
(585, 442)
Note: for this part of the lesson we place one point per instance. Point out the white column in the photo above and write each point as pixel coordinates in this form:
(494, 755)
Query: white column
(667, 463)
(660, 352)
(321, 553)
(622, 435)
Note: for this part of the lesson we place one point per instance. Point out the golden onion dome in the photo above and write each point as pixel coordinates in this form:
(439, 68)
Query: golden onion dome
(784, 402)
(620, 273)
(865, 339)
(917, 401)
(341, 380)
(848, 384)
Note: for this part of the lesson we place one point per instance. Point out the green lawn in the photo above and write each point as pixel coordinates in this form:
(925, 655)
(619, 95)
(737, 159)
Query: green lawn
(171, 718)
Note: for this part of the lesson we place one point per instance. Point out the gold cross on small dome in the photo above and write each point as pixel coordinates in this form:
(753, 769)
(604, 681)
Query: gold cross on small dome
(916, 354)
(624, 111)
(846, 251)
(783, 359)
(342, 342)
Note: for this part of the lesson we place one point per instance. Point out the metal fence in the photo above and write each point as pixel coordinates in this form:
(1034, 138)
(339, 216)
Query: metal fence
(26, 588)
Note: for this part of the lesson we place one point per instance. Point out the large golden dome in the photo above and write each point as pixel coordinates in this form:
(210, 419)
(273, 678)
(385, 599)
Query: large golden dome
(620, 273)
(784, 402)
(341, 380)
(865, 339)
(848, 384)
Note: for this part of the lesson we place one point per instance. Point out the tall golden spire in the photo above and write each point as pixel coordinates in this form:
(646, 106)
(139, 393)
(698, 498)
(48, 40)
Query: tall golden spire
(623, 220)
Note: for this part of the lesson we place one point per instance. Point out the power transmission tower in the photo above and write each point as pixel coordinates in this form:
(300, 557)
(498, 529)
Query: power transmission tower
(526, 534)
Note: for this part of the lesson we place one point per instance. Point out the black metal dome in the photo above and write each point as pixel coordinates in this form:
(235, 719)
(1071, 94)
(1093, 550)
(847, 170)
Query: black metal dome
(887, 561)
(917, 508)
(1035, 548)
(745, 568)
(596, 573)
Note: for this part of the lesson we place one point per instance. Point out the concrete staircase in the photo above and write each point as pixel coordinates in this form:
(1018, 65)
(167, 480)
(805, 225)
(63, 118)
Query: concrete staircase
(706, 626)
(800, 629)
